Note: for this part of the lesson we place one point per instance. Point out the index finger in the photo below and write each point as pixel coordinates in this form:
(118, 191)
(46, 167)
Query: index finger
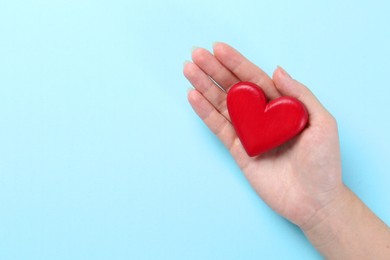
(243, 69)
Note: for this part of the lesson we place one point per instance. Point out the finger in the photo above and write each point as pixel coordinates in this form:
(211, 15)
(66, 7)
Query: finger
(218, 124)
(244, 69)
(212, 67)
(290, 87)
(206, 86)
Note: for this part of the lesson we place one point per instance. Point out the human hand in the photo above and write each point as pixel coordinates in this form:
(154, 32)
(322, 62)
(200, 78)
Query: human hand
(297, 179)
(301, 180)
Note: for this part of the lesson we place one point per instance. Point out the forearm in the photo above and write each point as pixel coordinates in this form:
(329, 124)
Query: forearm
(348, 229)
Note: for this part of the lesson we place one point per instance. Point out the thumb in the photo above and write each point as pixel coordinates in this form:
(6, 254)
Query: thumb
(288, 86)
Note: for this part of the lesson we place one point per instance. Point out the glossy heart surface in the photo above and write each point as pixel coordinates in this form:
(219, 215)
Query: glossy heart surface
(262, 126)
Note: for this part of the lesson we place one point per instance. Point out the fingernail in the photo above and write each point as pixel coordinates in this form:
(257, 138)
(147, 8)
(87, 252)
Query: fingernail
(189, 90)
(284, 72)
(215, 43)
(186, 62)
(194, 48)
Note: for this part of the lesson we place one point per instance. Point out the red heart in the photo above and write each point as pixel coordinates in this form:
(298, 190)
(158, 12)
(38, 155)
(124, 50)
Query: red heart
(262, 126)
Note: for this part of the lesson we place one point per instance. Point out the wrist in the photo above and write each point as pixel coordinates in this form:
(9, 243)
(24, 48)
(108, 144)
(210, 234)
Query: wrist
(327, 222)
(348, 229)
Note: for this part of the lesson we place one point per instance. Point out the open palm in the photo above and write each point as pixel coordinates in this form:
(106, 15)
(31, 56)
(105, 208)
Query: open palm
(297, 179)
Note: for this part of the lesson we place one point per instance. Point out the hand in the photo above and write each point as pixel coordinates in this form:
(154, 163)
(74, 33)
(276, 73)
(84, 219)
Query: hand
(301, 180)
(297, 179)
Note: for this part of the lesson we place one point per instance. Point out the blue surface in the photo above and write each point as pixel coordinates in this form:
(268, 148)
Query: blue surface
(101, 157)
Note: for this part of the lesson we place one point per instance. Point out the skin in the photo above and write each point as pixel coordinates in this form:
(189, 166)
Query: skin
(301, 180)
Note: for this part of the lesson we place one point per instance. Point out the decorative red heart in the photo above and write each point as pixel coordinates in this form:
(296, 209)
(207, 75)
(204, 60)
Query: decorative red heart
(261, 126)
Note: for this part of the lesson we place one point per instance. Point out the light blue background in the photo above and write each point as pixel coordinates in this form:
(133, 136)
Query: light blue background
(101, 157)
